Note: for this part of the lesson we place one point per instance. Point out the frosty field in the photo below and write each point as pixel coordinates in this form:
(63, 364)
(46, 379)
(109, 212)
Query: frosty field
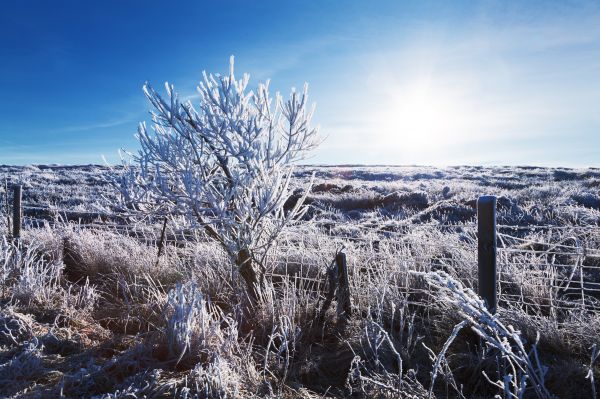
(89, 309)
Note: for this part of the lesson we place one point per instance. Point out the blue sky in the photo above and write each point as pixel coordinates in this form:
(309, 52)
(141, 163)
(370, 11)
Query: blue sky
(395, 82)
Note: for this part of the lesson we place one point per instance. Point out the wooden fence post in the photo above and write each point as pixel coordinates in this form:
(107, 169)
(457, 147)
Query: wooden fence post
(162, 240)
(7, 207)
(17, 213)
(486, 250)
(344, 305)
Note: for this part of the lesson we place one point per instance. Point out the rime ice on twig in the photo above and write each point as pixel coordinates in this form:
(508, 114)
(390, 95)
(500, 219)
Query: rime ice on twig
(524, 365)
(227, 163)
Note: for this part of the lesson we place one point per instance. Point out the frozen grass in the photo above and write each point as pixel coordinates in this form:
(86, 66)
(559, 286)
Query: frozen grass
(179, 327)
(96, 314)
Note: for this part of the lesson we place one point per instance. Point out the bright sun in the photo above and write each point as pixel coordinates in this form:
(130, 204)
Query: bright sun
(421, 117)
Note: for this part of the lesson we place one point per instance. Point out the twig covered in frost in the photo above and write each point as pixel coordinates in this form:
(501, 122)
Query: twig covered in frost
(590, 374)
(494, 333)
(439, 359)
(380, 366)
(15, 328)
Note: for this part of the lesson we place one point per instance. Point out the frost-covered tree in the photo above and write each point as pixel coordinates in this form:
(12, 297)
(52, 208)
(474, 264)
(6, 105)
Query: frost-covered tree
(226, 163)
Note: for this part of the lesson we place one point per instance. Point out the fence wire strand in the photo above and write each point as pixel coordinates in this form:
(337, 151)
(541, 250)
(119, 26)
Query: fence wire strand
(533, 260)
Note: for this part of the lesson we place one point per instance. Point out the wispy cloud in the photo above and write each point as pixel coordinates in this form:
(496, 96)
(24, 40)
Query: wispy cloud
(94, 125)
(529, 78)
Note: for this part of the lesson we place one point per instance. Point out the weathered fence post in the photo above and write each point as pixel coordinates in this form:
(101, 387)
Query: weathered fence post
(7, 207)
(344, 306)
(162, 240)
(17, 213)
(486, 250)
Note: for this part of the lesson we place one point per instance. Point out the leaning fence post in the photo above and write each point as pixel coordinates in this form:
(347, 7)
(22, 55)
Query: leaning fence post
(162, 240)
(17, 212)
(344, 306)
(486, 250)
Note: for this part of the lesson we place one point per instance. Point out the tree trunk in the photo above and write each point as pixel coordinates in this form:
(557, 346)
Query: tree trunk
(250, 273)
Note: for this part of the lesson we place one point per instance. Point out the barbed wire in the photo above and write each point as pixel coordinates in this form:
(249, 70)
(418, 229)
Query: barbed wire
(549, 228)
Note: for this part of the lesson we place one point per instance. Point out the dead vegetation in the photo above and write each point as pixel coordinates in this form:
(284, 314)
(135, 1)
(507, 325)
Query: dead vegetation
(90, 313)
(93, 314)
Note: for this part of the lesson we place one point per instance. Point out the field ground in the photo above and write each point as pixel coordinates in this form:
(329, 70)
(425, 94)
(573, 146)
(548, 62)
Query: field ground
(88, 309)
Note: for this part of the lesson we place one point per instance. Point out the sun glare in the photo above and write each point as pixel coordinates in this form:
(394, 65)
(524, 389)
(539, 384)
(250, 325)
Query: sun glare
(422, 117)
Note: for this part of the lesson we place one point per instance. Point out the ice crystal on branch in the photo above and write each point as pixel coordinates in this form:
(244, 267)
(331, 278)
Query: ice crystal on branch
(225, 163)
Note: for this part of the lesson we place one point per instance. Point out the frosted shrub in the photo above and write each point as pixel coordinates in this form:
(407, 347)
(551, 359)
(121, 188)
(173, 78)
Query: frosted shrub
(32, 281)
(199, 334)
(195, 327)
(38, 282)
(226, 164)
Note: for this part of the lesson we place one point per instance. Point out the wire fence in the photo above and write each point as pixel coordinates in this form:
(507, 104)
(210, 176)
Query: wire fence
(542, 269)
